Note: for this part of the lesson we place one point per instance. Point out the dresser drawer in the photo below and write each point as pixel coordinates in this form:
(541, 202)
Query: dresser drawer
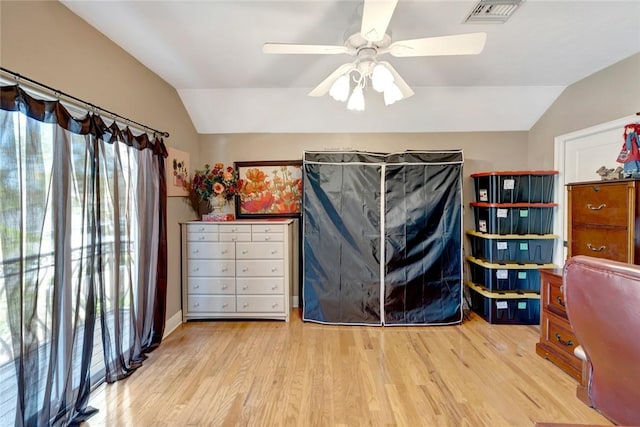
(212, 303)
(267, 228)
(560, 337)
(235, 228)
(213, 250)
(554, 299)
(211, 285)
(202, 237)
(600, 204)
(259, 250)
(600, 242)
(267, 237)
(211, 268)
(260, 285)
(260, 304)
(202, 228)
(258, 268)
(235, 237)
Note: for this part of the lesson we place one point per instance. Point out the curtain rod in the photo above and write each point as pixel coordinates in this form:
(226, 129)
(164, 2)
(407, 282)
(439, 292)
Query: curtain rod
(58, 93)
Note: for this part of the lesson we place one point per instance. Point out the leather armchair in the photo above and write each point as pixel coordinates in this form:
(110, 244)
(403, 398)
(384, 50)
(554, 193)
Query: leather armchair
(602, 299)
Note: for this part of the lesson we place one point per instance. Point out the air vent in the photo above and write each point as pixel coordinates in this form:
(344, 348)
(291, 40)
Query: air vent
(492, 11)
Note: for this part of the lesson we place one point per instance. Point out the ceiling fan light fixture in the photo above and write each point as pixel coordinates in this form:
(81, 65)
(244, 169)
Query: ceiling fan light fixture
(392, 94)
(340, 88)
(356, 101)
(381, 78)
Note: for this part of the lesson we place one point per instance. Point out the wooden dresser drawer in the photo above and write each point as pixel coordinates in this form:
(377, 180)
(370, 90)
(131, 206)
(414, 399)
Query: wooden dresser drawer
(211, 250)
(260, 303)
(600, 204)
(554, 299)
(212, 303)
(259, 250)
(600, 242)
(211, 285)
(259, 268)
(556, 335)
(211, 268)
(259, 285)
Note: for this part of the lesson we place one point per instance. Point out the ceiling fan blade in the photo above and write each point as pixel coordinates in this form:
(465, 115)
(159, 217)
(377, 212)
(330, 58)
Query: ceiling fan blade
(461, 44)
(375, 18)
(325, 85)
(399, 81)
(305, 49)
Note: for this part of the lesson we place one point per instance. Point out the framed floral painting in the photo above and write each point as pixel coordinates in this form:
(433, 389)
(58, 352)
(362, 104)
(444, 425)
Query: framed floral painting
(269, 188)
(177, 171)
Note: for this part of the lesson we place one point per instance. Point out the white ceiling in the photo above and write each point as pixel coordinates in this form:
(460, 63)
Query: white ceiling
(211, 52)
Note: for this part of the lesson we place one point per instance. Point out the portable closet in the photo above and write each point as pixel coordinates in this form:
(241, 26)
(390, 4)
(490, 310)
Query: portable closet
(382, 237)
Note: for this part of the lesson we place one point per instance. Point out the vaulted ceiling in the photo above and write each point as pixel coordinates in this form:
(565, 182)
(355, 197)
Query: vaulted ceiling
(210, 51)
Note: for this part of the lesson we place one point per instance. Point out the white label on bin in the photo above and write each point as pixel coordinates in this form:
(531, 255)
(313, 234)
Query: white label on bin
(501, 245)
(502, 305)
(524, 213)
(509, 184)
(502, 274)
(484, 195)
(502, 213)
(522, 305)
(482, 226)
(524, 246)
(522, 275)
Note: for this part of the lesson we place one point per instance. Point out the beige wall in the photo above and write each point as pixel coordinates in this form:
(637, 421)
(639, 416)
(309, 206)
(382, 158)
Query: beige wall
(483, 151)
(44, 41)
(607, 95)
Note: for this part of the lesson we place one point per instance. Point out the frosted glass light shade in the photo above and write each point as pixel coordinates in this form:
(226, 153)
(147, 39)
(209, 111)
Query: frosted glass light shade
(340, 88)
(381, 78)
(392, 94)
(356, 102)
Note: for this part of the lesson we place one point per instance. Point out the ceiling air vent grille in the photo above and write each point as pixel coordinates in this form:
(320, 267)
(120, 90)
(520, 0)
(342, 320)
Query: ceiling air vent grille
(492, 11)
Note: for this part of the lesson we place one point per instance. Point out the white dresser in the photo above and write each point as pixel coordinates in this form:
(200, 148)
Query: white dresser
(238, 269)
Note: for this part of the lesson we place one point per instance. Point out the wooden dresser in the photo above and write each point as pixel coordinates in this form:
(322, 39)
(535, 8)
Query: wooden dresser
(239, 269)
(603, 220)
(556, 337)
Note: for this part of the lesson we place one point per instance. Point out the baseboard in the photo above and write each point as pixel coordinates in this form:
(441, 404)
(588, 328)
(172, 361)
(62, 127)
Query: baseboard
(172, 323)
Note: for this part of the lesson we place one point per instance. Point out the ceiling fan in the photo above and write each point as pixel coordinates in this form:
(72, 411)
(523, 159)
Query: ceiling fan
(367, 45)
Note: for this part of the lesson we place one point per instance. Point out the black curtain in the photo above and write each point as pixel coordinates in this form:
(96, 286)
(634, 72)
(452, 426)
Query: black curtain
(419, 279)
(83, 256)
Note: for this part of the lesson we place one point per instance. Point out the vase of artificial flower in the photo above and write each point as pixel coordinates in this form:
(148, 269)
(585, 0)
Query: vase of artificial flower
(217, 185)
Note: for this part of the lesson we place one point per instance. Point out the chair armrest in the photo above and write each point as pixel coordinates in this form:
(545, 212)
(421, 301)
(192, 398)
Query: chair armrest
(579, 353)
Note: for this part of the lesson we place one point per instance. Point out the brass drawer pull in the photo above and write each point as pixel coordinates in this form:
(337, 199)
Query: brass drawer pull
(563, 342)
(593, 248)
(594, 208)
(560, 302)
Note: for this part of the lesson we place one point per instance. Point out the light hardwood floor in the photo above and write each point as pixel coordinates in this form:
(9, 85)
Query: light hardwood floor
(270, 373)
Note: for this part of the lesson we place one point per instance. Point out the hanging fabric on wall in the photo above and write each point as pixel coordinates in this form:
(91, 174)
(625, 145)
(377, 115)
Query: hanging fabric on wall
(382, 237)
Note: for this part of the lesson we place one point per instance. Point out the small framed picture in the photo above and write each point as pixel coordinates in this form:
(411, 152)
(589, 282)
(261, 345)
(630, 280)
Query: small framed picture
(269, 189)
(177, 171)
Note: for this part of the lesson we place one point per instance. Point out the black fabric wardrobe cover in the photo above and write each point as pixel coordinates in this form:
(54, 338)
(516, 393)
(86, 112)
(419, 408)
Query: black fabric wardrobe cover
(413, 201)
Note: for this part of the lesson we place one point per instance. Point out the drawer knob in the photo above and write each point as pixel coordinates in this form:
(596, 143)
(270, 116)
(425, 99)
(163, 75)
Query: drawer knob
(225, 305)
(273, 252)
(559, 300)
(267, 238)
(224, 251)
(245, 287)
(268, 229)
(197, 304)
(224, 286)
(596, 208)
(245, 305)
(245, 269)
(563, 342)
(233, 239)
(201, 237)
(273, 288)
(197, 286)
(196, 269)
(244, 252)
(196, 251)
(274, 269)
(224, 268)
(593, 248)
(274, 305)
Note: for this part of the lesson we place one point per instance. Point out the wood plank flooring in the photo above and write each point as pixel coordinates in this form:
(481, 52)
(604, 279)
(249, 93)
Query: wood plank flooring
(271, 373)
